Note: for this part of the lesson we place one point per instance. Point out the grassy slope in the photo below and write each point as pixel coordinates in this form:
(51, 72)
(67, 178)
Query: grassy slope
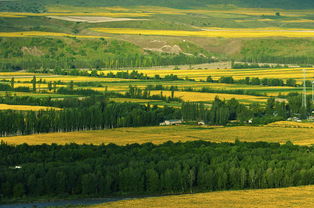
(271, 198)
(158, 135)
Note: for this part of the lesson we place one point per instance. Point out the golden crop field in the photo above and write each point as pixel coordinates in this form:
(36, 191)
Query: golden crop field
(226, 33)
(208, 97)
(299, 21)
(202, 74)
(159, 135)
(25, 107)
(65, 78)
(292, 197)
(2, 74)
(44, 34)
(291, 124)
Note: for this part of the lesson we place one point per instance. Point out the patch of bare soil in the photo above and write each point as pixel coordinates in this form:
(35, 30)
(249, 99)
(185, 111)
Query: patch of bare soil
(34, 51)
(166, 49)
(92, 19)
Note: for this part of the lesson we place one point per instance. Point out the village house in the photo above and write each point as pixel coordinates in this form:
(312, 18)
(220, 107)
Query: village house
(171, 122)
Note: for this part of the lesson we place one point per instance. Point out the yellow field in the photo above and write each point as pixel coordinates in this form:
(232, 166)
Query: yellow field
(159, 135)
(202, 74)
(19, 74)
(25, 107)
(226, 33)
(293, 197)
(63, 78)
(299, 21)
(198, 96)
(291, 124)
(44, 34)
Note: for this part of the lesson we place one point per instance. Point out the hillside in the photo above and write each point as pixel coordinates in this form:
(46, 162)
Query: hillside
(35, 6)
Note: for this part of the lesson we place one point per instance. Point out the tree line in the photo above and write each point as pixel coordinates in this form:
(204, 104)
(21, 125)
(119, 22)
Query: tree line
(102, 115)
(148, 169)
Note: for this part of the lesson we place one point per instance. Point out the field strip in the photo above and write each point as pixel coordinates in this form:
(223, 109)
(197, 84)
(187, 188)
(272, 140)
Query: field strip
(100, 14)
(45, 34)
(92, 19)
(159, 135)
(250, 33)
(293, 197)
(25, 107)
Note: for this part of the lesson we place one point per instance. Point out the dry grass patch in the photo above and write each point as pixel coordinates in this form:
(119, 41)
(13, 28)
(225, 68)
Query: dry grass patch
(159, 135)
(226, 33)
(208, 97)
(92, 19)
(293, 197)
(26, 107)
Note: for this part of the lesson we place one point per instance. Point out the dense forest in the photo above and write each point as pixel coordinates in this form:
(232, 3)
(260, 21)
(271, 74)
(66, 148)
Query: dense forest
(111, 170)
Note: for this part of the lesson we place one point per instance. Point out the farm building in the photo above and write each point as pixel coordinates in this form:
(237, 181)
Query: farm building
(171, 122)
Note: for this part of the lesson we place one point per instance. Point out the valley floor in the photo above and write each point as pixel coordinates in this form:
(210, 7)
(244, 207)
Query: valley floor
(270, 198)
(298, 133)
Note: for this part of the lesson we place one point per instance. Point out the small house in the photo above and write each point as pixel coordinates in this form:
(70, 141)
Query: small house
(171, 122)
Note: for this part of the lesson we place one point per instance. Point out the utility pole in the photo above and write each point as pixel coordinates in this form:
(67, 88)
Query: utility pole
(304, 103)
(312, 92)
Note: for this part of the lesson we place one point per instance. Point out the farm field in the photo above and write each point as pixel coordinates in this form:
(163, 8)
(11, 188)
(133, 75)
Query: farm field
(199, 96)
(202, 74)
(25, 107)
(211, 33)
(159, 135)
(273, 198)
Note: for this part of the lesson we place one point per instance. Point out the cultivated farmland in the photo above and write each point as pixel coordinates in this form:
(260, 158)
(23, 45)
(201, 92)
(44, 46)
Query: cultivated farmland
(272, 198)
(124, 136)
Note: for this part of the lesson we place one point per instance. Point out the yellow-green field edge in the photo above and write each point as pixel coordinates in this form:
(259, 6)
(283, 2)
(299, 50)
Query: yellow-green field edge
(300, 135)
(271, 198)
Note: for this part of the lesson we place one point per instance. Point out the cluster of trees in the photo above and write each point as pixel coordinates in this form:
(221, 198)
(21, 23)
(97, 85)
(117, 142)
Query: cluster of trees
(254, 65)
(257, 81)
(101, 115)
(71, 53)
(122, 74)
(108, 170)
(222, 112)
(136, 92)
(67, 102)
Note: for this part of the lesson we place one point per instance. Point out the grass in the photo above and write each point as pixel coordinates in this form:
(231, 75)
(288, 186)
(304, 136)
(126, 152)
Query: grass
(25, 107)
(159, 135)
(44, 34)
(293, 197)
(226, 33)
